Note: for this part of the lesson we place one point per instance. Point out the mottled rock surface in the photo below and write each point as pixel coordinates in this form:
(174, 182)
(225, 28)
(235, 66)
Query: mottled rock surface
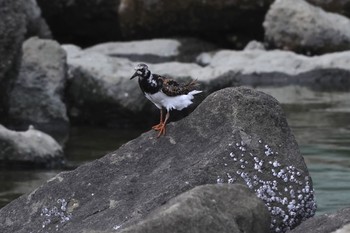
(12, 31)
(210, 209)
(19, 20)
(29, 147)
(155, 50)
(298, 26)
(236, 135)
(37, 95)
(338, 222)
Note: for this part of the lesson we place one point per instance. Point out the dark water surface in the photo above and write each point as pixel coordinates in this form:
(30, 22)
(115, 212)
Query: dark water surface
(319, 120)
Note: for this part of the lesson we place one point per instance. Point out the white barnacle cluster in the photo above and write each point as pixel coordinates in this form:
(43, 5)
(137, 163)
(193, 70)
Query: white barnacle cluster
(55, 215)
(287, 193)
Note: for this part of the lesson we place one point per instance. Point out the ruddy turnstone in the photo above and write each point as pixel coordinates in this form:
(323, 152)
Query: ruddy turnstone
(164, 93)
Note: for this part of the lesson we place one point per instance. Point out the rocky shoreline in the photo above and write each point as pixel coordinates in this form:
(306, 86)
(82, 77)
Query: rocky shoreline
(52, 85)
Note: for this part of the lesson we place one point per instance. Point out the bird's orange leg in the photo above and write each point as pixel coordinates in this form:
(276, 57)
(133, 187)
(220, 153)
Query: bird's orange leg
(158, 127)
(163, 127)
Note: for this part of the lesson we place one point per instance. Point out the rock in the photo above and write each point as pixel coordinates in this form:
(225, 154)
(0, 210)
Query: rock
(36, 25)
(301, 27)
(273, 68)
(155, 50)
(38, 91)
(82, 22)
(209, 208)
(327, 223)
(211, 19)
(254, 45)
(31, 147)
(236, 135)
(19, 20)
(99, 89)
(12, 30)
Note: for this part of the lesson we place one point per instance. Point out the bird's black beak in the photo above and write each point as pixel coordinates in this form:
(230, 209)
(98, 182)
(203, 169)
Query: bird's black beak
(134, 75)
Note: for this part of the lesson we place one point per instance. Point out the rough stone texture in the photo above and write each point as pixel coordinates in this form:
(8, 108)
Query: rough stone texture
(298, 26)
(12, 31)
(38, 91)
(36, 25)
(338, 222)
(142, 18)
(236, 135)
(99, 88)
(84, 22)
(155, 50)
(274, 68)
(29, 147)
(209, 209)
(19, 19)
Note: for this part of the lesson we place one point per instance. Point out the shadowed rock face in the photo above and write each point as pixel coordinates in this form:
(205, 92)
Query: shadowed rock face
(37, 95)
(236, 135)
(20, 19)
(211, 209)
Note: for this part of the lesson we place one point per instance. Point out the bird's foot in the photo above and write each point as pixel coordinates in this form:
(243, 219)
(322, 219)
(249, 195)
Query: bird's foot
(162, 130)
(158, 127)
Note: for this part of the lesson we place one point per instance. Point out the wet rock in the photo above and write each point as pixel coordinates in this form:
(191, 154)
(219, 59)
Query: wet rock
(141, 18)
(155, 50)
(82, 22)
(236, 135)
(327, 223)
(301, 27)
(273, 68)
(31, 147)
(37, 94)
(209, 208)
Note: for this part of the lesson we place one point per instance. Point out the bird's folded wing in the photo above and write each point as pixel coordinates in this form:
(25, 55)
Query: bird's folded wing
(172, 88)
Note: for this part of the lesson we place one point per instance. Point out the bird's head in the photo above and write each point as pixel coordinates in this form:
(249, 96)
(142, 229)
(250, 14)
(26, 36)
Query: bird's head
(141, 71)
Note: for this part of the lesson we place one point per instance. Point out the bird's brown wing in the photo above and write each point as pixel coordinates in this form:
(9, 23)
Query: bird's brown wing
(172, 88)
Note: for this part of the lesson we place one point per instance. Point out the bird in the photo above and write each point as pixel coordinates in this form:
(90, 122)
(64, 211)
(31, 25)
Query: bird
(164, 93)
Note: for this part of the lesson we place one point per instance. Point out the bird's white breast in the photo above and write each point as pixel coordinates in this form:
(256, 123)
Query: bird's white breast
(171, 102)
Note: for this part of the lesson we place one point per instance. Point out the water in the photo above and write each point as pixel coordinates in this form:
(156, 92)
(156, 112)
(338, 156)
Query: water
(319, 120)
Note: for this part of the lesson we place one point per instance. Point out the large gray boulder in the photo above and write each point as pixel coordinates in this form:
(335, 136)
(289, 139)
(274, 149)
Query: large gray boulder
(236, 135)
(37, 94)
(209, 209)
(99, 88)
(338, 222)
(12, 30)
(298, 26)
(273, 68)
(31, 147)
(155, 50)
(19, 20)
